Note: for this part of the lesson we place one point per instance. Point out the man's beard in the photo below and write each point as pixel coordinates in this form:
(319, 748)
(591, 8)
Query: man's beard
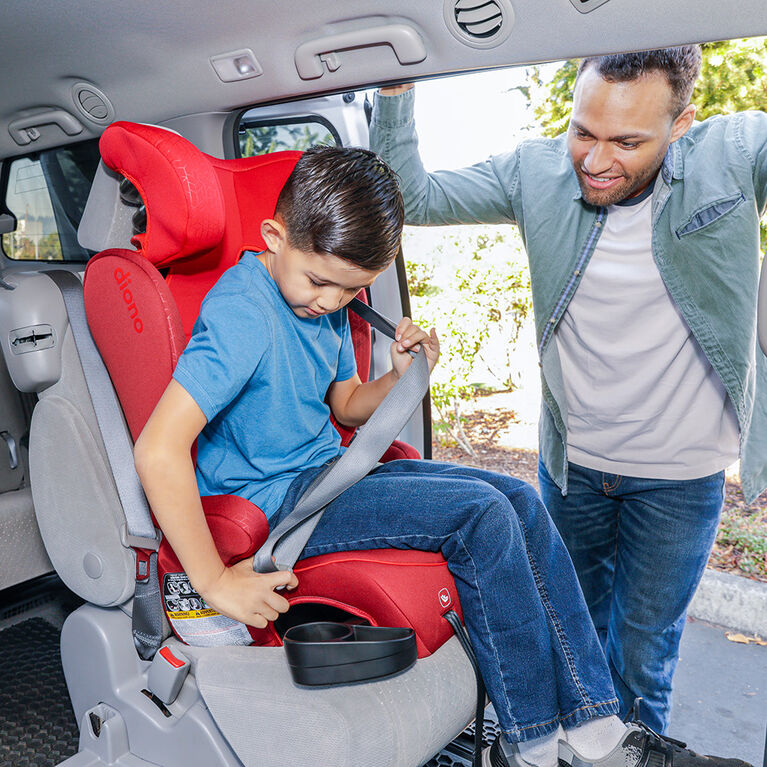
(625, 188)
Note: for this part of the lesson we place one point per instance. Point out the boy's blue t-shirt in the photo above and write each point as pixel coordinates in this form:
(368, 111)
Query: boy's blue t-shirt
(260, 374)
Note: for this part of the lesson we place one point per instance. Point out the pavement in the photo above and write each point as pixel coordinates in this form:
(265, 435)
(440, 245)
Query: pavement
(720, 686)
(732, 601)
(720, 694)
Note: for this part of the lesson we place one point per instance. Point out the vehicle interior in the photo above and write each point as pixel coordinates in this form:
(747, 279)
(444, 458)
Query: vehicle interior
(204, 96)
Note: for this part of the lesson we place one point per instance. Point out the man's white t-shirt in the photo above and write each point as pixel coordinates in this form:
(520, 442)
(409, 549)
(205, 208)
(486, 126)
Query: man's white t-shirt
(642, 398)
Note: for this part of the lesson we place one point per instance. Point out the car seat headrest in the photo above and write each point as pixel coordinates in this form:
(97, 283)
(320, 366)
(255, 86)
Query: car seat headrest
(182, 209)
(177, 183)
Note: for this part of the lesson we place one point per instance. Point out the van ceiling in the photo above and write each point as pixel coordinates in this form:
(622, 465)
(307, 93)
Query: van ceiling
(153, 59)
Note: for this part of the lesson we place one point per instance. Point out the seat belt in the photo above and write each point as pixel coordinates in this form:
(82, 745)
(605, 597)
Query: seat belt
(139, 532)
(285, 543)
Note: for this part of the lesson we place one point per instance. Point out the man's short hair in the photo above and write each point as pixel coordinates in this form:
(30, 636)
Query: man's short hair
(680, 65)
(345, 202)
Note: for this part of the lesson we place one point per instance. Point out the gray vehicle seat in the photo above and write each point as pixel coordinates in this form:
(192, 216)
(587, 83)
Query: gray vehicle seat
(21, 548)
(238, 705)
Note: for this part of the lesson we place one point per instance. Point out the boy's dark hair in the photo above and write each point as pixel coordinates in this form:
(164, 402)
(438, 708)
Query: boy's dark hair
(681, 65)
(346, 202)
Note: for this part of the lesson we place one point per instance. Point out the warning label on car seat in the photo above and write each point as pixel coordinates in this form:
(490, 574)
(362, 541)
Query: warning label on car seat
(195, 622)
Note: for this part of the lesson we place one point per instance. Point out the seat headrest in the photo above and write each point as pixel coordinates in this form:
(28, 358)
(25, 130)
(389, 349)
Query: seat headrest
(179, 186)
(201, 212)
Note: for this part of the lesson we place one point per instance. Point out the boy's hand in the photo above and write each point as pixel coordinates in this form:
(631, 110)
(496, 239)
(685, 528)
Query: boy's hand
(248, 596)
(409, 338)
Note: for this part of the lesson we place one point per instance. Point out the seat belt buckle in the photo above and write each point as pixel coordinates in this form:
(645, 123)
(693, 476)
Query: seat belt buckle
(167, 674)
(142, 564)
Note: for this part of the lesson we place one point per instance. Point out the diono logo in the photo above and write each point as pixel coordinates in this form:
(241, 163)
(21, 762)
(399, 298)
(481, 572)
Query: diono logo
(445, 600)
(123, 280)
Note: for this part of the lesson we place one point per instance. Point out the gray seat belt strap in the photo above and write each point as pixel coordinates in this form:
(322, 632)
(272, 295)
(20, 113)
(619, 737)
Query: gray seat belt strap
(285, 543)
(139, 532)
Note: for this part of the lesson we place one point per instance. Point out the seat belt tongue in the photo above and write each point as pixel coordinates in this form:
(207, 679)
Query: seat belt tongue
(139, 541)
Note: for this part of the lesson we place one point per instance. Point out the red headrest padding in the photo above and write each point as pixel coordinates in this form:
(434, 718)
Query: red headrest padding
(136, 327)
(184, 202)
(250, 188)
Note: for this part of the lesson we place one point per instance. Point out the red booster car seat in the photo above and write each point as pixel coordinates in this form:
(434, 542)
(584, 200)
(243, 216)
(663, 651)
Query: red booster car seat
(201, 214)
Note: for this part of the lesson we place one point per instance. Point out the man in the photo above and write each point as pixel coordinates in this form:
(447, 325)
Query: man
(641, 228)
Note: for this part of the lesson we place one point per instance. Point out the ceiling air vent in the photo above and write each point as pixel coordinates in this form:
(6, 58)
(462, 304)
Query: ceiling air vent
(92, 103)
(479, 23)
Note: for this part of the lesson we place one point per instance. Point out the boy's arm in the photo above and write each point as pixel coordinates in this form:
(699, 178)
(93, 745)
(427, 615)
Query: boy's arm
(164, 465)
(353, 402)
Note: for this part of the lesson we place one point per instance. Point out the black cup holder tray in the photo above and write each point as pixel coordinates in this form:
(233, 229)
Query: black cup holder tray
(339, 653)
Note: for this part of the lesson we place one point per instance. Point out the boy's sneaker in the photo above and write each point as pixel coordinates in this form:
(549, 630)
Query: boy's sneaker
(643, 747)
(493, 756)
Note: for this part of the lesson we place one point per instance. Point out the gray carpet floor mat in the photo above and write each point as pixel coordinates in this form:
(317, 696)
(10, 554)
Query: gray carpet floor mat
(37, 725)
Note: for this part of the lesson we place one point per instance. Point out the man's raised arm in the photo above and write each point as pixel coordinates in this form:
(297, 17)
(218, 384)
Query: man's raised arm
(478, 194)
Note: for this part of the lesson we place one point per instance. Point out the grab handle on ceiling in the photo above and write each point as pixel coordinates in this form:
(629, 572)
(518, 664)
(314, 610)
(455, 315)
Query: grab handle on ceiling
(405, 41)
(25, 130)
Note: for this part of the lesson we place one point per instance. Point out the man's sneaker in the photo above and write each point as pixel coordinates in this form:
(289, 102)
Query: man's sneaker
(493, 756)
(642, 747)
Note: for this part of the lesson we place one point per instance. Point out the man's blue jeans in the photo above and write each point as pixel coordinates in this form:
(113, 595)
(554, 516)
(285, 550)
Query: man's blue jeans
(640, 547)
(539, 654)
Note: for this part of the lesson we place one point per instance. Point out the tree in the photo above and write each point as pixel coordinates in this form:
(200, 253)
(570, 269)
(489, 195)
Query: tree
(732, 79)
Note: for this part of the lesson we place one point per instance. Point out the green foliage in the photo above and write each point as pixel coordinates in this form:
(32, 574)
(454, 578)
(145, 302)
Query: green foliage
(261, 139)
(20, 247)
(743, 536)
(50, 247)
(478, 309)
(732, 79)
(420, 279)
(551, 100)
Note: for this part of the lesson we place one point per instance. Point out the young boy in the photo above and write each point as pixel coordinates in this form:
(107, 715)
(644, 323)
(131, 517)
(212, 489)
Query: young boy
(270, 358)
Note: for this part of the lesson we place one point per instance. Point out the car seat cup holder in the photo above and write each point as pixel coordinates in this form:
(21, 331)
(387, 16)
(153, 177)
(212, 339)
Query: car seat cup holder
(327, 653)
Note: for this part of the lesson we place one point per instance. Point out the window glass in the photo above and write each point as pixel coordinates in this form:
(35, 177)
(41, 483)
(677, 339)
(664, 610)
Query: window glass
(279, 135)
(47, 192)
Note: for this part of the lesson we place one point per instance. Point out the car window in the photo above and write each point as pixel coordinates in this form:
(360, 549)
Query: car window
(46, 192)
(263, 136)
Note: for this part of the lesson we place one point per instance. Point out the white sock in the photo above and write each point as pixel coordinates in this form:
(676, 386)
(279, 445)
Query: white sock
(595, 738)
(540, 752)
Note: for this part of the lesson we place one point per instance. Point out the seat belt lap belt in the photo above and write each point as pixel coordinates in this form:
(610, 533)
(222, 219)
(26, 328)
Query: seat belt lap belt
(139, 531)
(285, 543)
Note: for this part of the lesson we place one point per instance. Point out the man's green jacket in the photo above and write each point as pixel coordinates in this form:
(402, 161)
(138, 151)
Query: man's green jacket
(707, 202)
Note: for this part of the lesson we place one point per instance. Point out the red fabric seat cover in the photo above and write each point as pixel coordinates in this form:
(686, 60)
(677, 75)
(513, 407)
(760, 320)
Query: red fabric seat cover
(201, 214)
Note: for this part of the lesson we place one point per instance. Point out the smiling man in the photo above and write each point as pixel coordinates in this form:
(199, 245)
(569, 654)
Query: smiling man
(642, 232)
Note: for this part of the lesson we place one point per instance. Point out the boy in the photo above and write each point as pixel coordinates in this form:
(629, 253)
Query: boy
(270, 358)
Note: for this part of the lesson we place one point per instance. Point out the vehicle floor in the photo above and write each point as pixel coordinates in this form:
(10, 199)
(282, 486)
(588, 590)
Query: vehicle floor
(37, 724)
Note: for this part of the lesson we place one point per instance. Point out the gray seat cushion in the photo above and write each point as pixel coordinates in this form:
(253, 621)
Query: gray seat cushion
(271, 722)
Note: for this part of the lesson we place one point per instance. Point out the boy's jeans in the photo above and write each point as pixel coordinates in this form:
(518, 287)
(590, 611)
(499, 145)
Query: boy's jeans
(640, 547)
(536, 646)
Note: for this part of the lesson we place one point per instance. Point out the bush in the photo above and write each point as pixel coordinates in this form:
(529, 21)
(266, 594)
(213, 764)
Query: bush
(473, 286)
